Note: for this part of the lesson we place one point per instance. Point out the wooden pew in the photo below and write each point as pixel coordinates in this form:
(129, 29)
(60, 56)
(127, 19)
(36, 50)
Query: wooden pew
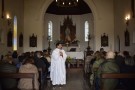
(18, 75)
(117, 76)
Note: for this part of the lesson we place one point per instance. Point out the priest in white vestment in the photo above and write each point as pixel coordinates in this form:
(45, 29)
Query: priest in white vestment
(58, 68)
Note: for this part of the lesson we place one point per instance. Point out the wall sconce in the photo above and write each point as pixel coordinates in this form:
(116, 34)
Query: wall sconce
(9, 19)
(127, 18)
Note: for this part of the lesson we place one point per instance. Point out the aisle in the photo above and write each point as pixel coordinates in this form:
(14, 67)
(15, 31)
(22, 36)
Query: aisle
(75, 81)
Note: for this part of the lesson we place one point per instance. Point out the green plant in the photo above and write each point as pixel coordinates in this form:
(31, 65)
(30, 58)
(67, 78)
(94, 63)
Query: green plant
(68, 59)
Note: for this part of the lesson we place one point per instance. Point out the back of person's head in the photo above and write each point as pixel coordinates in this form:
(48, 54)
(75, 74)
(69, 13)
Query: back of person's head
(95, 54)
(88, 53)
(110, 55)
(126, 53)
(15, 54)
(99, 56)
(39, 54)
(27, 54)
(104, 53)
(29, 60)
(101, 49)
(44, 50)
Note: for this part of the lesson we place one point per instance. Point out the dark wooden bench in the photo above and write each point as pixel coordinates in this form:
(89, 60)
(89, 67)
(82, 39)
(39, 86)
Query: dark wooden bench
(117, 76)
(18, 75)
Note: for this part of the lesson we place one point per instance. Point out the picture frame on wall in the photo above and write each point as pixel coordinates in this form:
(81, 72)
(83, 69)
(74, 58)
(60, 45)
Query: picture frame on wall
(104, 40)
(127, 38)
(33, 41)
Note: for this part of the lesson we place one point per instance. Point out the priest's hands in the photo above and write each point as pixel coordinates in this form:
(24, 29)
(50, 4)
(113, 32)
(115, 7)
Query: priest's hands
(61, 53)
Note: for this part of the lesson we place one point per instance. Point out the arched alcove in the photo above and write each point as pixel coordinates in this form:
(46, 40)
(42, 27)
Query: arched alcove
(46, 4)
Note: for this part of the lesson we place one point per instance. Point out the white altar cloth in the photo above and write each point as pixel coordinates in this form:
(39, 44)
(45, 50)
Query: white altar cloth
(76, 55)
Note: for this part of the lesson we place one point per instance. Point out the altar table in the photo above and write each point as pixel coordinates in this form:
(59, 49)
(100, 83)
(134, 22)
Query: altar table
(76, 55)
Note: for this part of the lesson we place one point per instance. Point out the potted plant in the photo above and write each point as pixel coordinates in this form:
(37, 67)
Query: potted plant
(68, 61)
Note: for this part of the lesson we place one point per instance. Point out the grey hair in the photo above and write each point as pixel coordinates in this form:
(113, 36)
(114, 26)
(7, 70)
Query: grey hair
(110, 55)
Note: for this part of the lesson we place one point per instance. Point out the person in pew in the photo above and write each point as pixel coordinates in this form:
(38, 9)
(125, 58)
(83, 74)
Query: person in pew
(58, 68)
(26, 83)
(41, 64)
(109, 66)
(47, 55)
(129, 67)
(8, 67)
(119, 59)
(15, 57)
(100, 58)
(47, 60)
(88, 58)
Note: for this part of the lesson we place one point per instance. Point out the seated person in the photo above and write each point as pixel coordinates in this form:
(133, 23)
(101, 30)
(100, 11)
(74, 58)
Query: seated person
(8, 67)
(26, 83)
(109, 66)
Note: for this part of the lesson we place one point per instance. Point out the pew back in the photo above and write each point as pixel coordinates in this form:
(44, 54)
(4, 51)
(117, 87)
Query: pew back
(18, 75)
(117, 76)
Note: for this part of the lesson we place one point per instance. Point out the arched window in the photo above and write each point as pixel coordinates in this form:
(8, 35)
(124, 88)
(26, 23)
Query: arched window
(50, 28)
(15, 34)
(86, 28)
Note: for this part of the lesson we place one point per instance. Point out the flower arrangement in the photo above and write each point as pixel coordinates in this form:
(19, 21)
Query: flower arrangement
(68, 59)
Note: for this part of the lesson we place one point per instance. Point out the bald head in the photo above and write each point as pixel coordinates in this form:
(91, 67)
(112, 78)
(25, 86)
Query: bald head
(110, 55)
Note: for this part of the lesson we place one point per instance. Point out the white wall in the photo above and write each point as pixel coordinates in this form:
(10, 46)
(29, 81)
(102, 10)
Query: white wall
(121, 10)
(108, 17)
(78, 21)
(13, 8)
(103, 22)
(34, 12)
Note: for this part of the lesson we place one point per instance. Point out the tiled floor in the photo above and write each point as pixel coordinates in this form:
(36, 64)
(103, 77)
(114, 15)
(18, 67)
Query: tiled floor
(75, 81)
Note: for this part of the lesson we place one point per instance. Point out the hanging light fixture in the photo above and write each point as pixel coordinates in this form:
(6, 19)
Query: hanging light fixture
(66, 3)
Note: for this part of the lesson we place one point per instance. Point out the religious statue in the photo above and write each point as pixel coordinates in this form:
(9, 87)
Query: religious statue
(67, 33)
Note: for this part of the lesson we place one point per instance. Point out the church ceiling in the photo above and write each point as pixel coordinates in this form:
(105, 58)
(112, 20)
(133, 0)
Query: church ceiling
(81, 8)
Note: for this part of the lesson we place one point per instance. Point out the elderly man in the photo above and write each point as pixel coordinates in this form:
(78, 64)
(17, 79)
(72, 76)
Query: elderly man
(109, 66)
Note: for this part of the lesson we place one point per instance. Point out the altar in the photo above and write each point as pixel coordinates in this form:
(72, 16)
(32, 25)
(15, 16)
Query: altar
(77, 58)
(76, 55)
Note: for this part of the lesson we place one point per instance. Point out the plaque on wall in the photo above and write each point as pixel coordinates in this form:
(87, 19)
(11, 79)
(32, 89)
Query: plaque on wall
(21, 40)
(104, 40)
(33, 41)
(9, 39)
(127, 38)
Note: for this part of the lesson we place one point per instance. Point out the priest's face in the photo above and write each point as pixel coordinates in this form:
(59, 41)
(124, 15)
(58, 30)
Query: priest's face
(60, 46)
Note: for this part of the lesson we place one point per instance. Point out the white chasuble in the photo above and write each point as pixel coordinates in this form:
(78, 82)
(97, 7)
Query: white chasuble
(58, 68)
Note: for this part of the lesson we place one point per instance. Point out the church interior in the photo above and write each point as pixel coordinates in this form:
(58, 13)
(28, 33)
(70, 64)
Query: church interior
(83, 27)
